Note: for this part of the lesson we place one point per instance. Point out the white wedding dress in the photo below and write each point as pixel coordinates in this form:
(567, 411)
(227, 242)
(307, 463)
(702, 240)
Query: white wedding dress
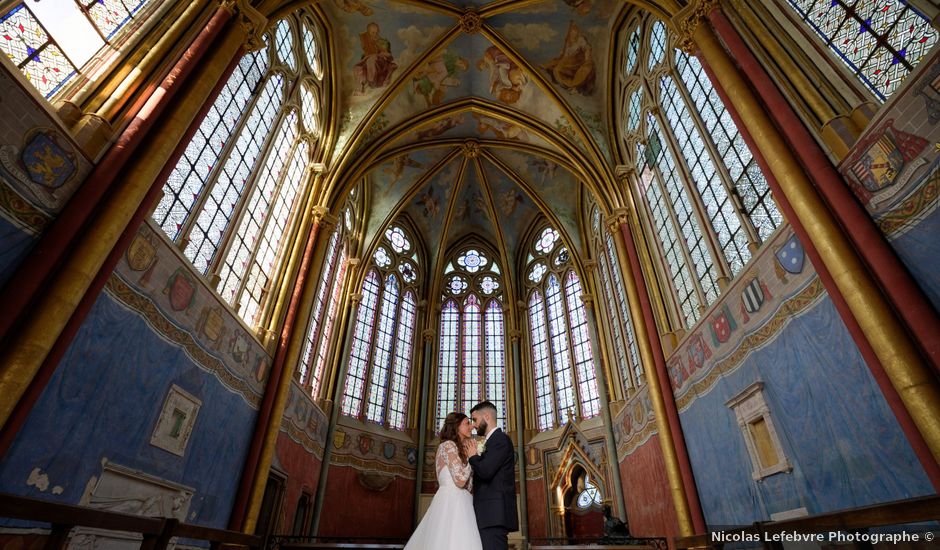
(450, 522)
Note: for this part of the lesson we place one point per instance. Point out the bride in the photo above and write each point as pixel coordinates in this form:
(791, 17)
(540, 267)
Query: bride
(450, 521)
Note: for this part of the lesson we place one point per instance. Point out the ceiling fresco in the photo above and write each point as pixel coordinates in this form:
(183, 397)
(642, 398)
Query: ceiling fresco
(473, 118)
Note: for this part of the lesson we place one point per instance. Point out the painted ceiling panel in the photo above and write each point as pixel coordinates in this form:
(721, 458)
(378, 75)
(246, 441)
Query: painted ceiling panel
(391, 181)
(428, 208)
(471, 212)
(443, 77)
(378, 42)
(554, 186)
(532, 77)
(568, 46)
(515, 210)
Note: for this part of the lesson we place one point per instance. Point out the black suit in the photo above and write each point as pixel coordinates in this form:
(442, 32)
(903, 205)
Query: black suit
(494, 491)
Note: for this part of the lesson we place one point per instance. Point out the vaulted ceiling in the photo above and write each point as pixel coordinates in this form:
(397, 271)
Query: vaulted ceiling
(474, 119)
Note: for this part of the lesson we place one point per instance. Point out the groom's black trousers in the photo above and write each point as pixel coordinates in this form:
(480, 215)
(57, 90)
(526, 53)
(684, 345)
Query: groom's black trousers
(494, 538)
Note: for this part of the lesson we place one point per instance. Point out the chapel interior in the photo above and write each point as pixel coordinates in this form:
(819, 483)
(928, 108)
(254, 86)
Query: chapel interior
(252, 253)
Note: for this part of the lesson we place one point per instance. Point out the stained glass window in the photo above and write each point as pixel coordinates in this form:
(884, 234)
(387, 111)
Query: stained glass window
(51, 42)
(310, 108)
(702, 191)
(192, 172)
(617, 295)
(396, 236)
(361, 346)
(448, 363)
(284, 44)
(880, 42)
(545, 404)
(241, 280)
(402, 367)
(319, 305)
(657, 44)
(312, 49)
(581, 347)
(379, 364)
(233, 196)
(381, 355)
(633, 51)
(562, 356)
(111, 15)
(319, 336)
(472, 339)
(25, 41)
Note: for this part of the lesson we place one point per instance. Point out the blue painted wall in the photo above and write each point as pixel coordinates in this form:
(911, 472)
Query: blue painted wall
(844, 444)
(14, 244)
(104, 401)
(919, 249)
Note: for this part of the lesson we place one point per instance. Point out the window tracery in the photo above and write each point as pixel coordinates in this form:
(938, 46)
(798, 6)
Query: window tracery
(562, 356)
(379, 363)
(703, 194)
(472, 362)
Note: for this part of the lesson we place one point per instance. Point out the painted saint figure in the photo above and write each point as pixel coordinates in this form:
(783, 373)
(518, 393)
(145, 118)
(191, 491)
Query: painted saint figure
(507, 79)
(376, 65)
(574, 66)
(431, 80)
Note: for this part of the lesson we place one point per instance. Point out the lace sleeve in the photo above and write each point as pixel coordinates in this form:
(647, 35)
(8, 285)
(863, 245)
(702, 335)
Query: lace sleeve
(448, 456)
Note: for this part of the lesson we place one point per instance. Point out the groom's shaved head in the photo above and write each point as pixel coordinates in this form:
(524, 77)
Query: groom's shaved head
(486, 406)
(484, 416)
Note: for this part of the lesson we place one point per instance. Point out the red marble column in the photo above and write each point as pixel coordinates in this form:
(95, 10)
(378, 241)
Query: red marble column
(28, 280)
(750, 66)
(895, 281)
(659, 360)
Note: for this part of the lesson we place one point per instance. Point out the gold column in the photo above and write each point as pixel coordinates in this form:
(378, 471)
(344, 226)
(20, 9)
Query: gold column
(642, 333)
(36, 336)
(154, 56)
(897, 353)
(291, 355)
(836, 121)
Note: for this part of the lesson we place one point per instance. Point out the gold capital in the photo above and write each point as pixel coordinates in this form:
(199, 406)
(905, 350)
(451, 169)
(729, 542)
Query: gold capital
(687, 20)
(252, 21)
(623, 172)
(618, 217)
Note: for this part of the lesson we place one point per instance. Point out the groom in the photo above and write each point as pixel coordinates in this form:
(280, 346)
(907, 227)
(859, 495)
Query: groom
(494, 479)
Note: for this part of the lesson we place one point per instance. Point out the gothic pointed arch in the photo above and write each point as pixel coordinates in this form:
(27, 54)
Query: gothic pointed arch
(704, 200)
(472, 344)
(379, 362)
(563, 369)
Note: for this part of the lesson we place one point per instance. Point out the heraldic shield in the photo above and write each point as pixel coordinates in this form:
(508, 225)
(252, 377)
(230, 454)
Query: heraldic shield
(791, 255)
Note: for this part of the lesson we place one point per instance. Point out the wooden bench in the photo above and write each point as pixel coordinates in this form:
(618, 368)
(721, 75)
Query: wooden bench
(156, 532)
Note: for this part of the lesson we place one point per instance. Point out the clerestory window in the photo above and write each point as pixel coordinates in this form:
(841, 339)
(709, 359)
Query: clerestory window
(704, 198)
(234, 195)
(472, 360)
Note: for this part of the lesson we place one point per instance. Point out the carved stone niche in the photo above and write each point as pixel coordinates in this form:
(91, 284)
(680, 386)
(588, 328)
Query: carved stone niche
(124, 490)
